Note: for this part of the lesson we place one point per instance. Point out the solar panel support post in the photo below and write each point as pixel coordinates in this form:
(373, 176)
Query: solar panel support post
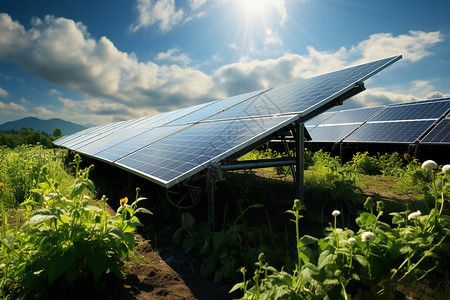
(300, 145)
(210, 185)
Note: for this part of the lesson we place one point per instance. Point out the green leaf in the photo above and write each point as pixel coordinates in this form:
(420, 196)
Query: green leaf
(176, 237)
(187, 220)
(236, 287)
(307, 240)
(90, 185)
(325, 258)
(143, 210)
(361, 259)
(97, 264)
(77, 190)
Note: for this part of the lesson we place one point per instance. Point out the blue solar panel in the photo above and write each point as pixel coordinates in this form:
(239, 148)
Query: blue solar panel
(440, 134)
(135, 142)
(389, 132)
(158, 149)
(174, 158)
(215, 107)
(303, 96)
(413, 111)
(334, 133)
(319, 119)
(358, 115)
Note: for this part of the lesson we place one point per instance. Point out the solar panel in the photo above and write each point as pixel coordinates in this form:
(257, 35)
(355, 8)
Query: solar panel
(358, 115)
(135, 142)
(303, 96)
(178, 156)
(319, 119)
(440, 134)
(170, 147)
(333, 133)
(413, 111)
(389, 132)
(214, 108)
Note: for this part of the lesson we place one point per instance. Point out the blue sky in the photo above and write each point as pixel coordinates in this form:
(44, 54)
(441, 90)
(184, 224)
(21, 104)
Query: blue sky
(96, 62)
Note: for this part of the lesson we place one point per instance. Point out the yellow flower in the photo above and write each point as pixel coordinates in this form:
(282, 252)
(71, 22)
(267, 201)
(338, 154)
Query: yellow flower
(123, 201)
(2, 186)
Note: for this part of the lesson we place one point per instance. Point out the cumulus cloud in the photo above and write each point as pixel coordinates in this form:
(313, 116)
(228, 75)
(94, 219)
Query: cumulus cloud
(162, 13)
(11, 107)
(3, 93)
(174, 55)
(413, 46)
(60, 51)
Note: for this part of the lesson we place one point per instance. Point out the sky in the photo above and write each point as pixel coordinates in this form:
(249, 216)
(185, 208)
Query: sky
(102, 61)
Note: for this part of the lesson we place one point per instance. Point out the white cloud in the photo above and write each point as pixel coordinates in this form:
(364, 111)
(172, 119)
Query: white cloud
(195, 4)
(162, 13)
(54, 92)
(24, 101)
(11, 107)
(3, 93)
(380, 96)
(174, 55)
(413, 46)
(281, 9)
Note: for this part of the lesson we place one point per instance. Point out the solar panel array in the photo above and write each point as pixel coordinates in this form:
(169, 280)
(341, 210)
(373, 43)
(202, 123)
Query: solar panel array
(170, 147)
(420, 121)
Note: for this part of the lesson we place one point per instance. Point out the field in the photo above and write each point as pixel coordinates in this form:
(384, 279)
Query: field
(357, 233)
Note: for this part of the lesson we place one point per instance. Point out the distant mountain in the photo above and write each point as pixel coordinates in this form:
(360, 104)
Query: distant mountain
(48, 126)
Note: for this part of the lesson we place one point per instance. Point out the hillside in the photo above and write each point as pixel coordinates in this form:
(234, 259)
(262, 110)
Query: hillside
(43, 125)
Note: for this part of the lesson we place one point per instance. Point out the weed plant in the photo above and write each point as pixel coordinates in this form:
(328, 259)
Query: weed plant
(378, 259)
(20, 173)
(67, 247)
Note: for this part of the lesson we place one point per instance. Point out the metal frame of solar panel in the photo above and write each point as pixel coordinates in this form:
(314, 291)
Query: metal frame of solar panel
(192, 140)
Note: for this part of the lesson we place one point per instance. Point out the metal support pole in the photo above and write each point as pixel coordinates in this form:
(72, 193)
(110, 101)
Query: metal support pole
(300, 145)
(211, 178)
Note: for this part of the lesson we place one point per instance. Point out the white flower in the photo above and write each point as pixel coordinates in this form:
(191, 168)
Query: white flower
(336, 213)
(446, 169)
(414, 215)
(352, 241)
(429, 165)
(368, 237)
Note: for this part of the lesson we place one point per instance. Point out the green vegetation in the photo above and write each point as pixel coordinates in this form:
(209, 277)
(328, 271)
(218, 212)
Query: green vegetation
(377, 258)
(26, 136)
(62, 241)
(367, 246)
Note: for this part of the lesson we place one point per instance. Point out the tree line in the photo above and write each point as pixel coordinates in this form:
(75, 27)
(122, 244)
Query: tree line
(26, 136)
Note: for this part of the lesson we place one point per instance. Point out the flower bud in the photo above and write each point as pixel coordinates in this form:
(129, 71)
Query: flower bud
(368, 237)
(336, 213)
(446, 169)
(429, 165)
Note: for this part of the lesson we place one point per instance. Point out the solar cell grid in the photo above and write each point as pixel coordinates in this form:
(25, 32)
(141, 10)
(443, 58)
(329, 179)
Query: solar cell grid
(440, 134)
(201, 143)
(303, 95)
(413, 111)
(134, 142)
(319, 118)
(213, 108)
(359, 115)
(333, 133)
(389, 132)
